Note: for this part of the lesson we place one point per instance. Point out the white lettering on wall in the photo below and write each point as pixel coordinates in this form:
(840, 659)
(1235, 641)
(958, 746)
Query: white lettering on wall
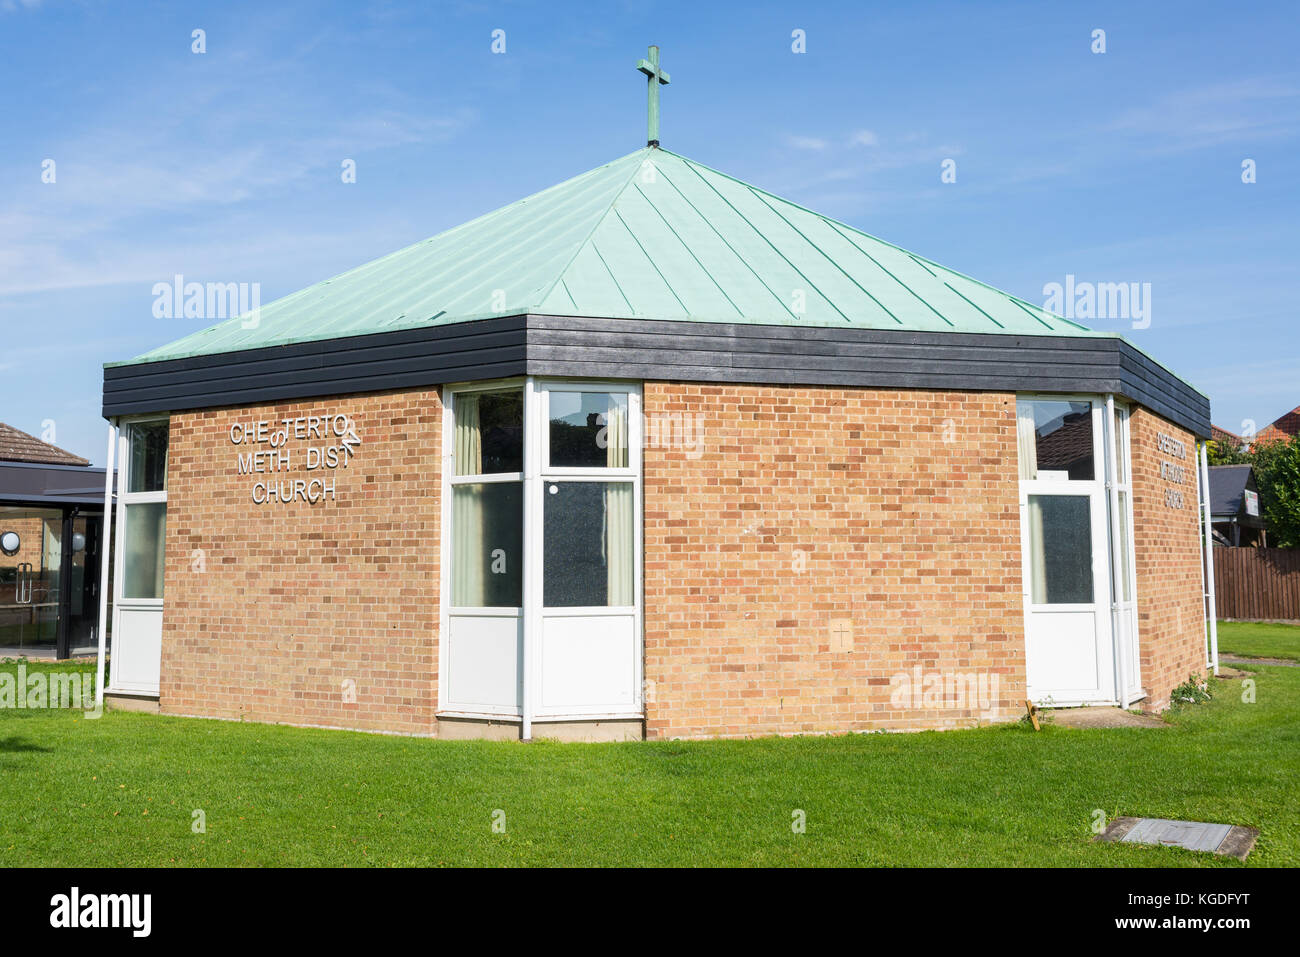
(1171, 471)
(325, 442)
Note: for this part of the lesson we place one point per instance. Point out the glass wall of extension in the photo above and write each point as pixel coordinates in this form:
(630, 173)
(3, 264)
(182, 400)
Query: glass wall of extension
(49, 576)
(1076, 522)
(51, 510)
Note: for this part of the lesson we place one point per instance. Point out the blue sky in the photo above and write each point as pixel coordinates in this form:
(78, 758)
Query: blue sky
(1123, 166)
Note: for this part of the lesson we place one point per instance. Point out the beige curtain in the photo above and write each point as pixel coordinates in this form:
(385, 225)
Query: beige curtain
(1037, 570)
(468, 439)
(160, 554)
(619, 538)
(467, 571)
(1027, 452)
(1026, 440)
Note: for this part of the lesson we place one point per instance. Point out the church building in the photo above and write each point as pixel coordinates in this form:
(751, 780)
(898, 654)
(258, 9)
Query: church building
(652, 453)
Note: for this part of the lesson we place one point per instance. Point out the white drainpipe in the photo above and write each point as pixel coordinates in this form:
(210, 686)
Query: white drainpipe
(1116, 555)
(1211, 611)
(105, 556)
(1200, 505)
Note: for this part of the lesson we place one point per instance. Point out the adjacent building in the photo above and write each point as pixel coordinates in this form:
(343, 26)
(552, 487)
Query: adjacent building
(1235, 507)
(51, 518)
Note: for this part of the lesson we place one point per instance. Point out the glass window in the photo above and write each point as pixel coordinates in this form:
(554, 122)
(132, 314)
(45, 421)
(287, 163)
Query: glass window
(588, 544)
(148, 467)
(588, 429)
(1055, 439)
(1121, 424)
(1060, 550)
(146, 527)
(1124, 587)
(487, 557)
(489, 436)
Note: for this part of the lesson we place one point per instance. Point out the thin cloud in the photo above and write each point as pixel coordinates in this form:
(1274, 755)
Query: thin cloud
(1249, 109)
(807, 142)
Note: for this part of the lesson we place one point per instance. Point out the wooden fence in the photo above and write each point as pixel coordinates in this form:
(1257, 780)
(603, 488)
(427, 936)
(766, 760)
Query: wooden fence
(1257, 583)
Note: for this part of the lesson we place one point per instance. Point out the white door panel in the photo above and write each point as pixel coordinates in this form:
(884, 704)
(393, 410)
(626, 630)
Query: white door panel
(587, 663)
(1062, 654)
(482, 663)
(137, 651)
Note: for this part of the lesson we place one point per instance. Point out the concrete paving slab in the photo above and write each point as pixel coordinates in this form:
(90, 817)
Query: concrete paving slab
(1102, 718)
(1256, 661)
(1229, 840)
(1192, 835)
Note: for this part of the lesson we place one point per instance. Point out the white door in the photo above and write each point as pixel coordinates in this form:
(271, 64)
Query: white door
(587, 544)
(1064, 524)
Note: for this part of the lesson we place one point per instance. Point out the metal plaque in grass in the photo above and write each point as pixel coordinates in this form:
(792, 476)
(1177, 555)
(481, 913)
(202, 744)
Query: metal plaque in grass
(1231, 840)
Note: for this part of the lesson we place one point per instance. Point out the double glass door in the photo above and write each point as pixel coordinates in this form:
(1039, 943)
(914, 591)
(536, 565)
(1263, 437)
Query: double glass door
(31, 553)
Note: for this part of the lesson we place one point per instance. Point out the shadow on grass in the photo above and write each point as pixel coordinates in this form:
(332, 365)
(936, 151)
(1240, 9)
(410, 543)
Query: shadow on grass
(14, 745)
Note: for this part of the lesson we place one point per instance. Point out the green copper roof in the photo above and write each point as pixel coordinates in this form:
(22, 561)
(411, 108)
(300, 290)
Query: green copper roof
(652, 235)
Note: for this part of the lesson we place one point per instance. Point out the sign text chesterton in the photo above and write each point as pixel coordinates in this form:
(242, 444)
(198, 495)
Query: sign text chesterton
(326, 442)
(1172, 471)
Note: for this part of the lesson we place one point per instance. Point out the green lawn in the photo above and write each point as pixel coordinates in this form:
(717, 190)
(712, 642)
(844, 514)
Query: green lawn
(1250, 639)
(120, 790)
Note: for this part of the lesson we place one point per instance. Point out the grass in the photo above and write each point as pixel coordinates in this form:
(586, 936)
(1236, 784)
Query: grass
(1253, 639)
(122, 789)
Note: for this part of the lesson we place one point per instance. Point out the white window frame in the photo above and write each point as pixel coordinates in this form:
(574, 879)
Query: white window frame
(449, 480)
(126, 498)
(1091, 488)
(537, 472)
(1119, 427)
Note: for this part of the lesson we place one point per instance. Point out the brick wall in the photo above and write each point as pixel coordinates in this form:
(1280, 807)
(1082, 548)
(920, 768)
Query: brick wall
(1171, 616)
(270, 609)
(815, 560)
(31, 535)
(819, 542)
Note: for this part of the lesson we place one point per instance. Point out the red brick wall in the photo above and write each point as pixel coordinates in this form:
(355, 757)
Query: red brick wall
(270, 609)
(1171, 616)
(31, 535)
(807, 511)
(813, 564)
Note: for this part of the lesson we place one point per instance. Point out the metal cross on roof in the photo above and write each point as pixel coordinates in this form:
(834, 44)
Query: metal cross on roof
(654, 77)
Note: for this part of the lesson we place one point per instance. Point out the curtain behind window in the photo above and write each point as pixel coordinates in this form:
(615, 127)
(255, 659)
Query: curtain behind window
(467, 583)
(619, 535)
(1026, 440)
